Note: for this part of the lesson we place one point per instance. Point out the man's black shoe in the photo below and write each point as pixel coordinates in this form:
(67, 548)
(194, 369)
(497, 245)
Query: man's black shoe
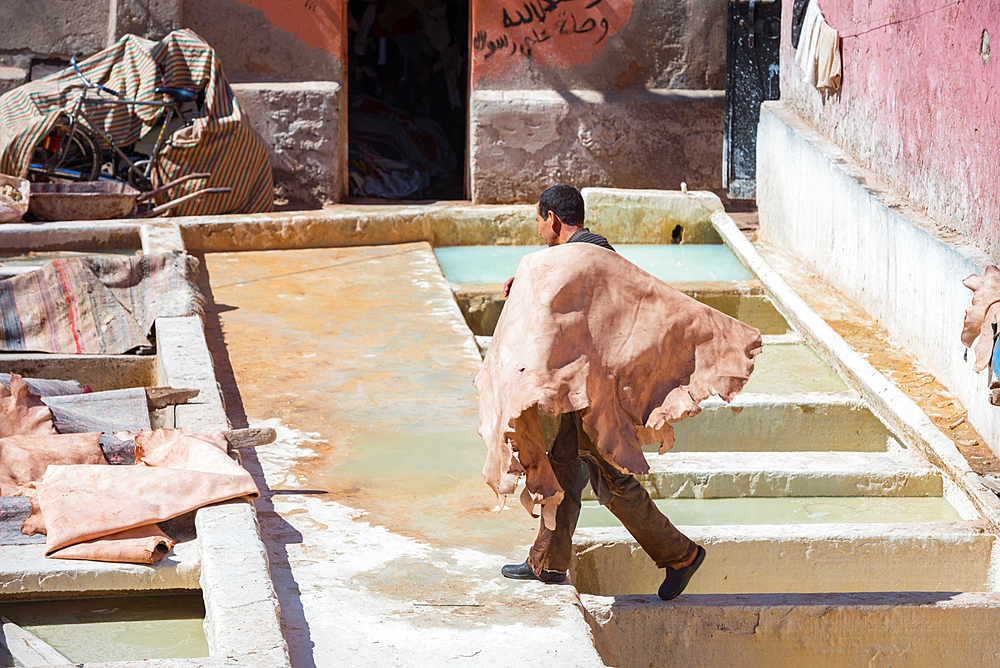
(524, 572)
(676, 580)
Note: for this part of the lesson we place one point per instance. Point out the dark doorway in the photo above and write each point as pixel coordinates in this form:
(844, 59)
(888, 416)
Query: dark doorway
(407, 98)
(753, 34)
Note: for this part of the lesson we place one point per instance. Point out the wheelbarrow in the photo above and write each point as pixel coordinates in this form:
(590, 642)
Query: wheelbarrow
(104, 200)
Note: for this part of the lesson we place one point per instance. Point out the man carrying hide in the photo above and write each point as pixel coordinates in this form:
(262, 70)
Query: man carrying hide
(618, 355)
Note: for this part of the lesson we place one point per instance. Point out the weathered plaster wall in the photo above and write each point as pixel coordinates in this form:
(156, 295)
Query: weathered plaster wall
(525, 141)
(273, 40)
(51, 28)
(608, 45)
(918, 104)
(619, 93)
(152, 19)
(287, 61)
(301, 126)
(60, 28)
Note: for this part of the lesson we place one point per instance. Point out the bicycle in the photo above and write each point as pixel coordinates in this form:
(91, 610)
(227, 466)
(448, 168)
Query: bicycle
(73, 149)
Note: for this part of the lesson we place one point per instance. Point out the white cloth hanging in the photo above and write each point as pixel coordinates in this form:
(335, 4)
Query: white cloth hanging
(818, 55)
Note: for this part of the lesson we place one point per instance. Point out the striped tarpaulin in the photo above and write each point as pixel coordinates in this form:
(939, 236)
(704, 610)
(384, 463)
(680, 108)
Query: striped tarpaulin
(95, 305)
(220, 142)
(30, 111)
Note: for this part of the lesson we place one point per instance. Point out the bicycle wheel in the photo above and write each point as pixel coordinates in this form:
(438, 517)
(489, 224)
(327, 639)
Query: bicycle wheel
(56, 161)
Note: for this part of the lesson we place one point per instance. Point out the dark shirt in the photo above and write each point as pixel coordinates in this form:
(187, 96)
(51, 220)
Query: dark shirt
(583, 235)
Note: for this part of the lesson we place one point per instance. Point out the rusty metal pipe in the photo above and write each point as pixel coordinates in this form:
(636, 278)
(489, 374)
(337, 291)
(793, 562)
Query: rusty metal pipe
(180, 200)
(153, 193)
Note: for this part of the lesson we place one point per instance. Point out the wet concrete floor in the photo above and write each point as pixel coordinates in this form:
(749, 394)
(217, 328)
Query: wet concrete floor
(383, 541)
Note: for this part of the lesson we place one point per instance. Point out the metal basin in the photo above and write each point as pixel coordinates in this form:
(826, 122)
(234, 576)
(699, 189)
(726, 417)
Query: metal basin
(90, 200)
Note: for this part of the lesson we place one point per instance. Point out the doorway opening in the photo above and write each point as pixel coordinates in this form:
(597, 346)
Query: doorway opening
(407, 98)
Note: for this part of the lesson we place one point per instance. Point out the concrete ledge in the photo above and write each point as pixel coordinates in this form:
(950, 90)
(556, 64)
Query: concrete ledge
(813, 421)
(241, 608)
(91, 235)
(768, 558)
(777, 474)
(653, 216)
(899, 412)
(869, 243)
(343, 226)
(523, 140)
(914, 629)
(11, 78)
(25, 572)
(163, 236)
(481, 303)
(101, 372)
(184, 361)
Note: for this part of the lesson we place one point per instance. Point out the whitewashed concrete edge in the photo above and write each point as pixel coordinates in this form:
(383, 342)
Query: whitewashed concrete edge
(241, 607)
(872, 244)
(900, 413)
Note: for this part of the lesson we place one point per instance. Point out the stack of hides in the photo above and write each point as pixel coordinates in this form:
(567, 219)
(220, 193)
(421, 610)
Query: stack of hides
(89, 509)
(395, 155)
(95, 305)
(586, 330)
(982, 316)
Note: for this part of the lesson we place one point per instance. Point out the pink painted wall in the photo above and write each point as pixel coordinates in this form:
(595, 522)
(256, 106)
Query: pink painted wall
(511, 37)
(598, 44)
(317, 23)
(273, 40)
(920, 102)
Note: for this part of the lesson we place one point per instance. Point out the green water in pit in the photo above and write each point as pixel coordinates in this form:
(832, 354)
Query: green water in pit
(495, 264)
(114, 629)
(788, 368)
(788, 510)
(755, 310)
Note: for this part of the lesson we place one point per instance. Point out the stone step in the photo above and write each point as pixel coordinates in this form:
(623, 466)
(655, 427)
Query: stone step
(913, 629)
(706, 475)
(798, 558)
(807, 421)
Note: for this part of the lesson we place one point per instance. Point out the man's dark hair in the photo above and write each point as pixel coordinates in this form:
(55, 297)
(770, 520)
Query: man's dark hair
(566, 201)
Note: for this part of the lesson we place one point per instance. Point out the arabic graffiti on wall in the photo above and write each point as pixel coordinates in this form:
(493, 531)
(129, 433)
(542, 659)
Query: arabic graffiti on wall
(549, 33)
(317, 23)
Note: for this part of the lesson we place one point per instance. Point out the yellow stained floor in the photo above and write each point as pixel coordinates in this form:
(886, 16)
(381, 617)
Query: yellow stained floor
(381, 533)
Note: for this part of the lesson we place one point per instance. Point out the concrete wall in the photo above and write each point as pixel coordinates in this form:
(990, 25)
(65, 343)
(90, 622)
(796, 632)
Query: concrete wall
(621, 93)
(615, 93)
(287, 61)
(273, 40)
(918, 104)
(612, 45)
(304, 128)
(523, 141)
(51, 28)
(60, 28)
(869, 243)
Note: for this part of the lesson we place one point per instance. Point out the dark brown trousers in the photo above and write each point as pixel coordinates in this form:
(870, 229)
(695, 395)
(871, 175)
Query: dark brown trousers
(574, 459)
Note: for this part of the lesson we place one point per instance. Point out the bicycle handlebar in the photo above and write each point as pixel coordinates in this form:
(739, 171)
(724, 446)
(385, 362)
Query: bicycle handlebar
(88, 82)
